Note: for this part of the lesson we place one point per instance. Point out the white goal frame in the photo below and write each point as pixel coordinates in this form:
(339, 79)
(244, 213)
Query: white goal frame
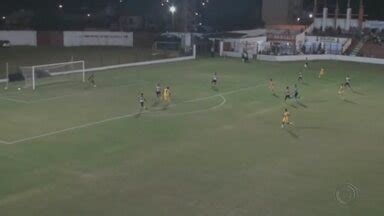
(82, 70)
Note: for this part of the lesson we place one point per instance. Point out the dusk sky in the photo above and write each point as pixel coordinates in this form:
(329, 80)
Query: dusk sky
(219, 13)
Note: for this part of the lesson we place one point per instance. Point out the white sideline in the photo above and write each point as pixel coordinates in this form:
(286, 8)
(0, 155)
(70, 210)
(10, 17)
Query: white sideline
(130, 115)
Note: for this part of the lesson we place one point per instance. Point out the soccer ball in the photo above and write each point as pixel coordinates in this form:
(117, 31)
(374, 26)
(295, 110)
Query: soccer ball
(19, 89)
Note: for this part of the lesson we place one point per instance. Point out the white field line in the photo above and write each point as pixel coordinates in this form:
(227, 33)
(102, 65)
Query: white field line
(14, 100)
(71, 128)
(226, 93)
(223, 102)
(80, 93)
(129, 116)
(4, 142)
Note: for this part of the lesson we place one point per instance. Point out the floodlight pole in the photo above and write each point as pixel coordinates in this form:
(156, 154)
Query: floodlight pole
(315, 8)
(349, 16)
(336, 14)
(172, 10)
(361, 15)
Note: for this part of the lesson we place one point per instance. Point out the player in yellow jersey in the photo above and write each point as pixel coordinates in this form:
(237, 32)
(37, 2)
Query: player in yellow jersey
(341, 90)
(322, 73)
(167, 95)
(285, 120)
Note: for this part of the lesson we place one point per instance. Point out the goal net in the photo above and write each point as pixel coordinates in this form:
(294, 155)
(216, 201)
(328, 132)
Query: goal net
(53, 73)
(166, 46)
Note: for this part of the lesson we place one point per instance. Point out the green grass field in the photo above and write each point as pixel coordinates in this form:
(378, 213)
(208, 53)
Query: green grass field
(71, 149)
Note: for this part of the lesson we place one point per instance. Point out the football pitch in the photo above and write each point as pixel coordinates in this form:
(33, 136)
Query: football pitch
(71, 149)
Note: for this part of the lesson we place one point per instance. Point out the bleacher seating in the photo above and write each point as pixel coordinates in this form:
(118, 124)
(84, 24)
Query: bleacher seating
(372, 49)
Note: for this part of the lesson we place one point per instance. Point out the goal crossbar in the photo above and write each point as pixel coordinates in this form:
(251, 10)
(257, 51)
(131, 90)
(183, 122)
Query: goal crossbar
(57, 64)
(49, 67)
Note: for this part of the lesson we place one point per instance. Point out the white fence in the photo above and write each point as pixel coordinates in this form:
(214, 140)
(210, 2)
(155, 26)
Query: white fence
(330, 22)
(233, 54)
(93, 38)
(20, 38)
(143, 63)
(342, 23)
(237, 46)
(320, 57)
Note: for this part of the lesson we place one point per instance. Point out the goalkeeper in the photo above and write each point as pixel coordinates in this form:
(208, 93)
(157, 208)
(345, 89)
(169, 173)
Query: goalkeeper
(91, 80)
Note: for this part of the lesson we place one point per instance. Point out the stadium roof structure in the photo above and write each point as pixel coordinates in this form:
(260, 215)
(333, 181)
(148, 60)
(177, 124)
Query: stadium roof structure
(251, 33)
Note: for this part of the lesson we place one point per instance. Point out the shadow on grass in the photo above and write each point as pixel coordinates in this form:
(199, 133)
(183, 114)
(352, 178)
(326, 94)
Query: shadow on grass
(156, 104)
(302, 105)
(138, 115)
(275, 95)
(292, 133)
(357, 92)
(305, 83)
(294, 106)
(310, 128)
(214, 88)
(349, 101)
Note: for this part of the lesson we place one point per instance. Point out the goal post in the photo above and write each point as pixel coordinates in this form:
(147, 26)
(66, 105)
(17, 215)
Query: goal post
(4, 76)
(51, 73)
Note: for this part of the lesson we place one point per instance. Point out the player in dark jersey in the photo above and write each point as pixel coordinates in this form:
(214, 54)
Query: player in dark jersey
(300, 77)
(214, 80)
(348, 82)
(296, 92)
(142, 102)
(158, 91)
(91, 79)
(287, 93)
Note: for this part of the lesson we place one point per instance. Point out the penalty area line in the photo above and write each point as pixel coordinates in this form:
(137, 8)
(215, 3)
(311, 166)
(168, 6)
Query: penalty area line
(225, 93)
(129, 116)
(4, 142)
(14, 100)
(223, 102)
(71, 129)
